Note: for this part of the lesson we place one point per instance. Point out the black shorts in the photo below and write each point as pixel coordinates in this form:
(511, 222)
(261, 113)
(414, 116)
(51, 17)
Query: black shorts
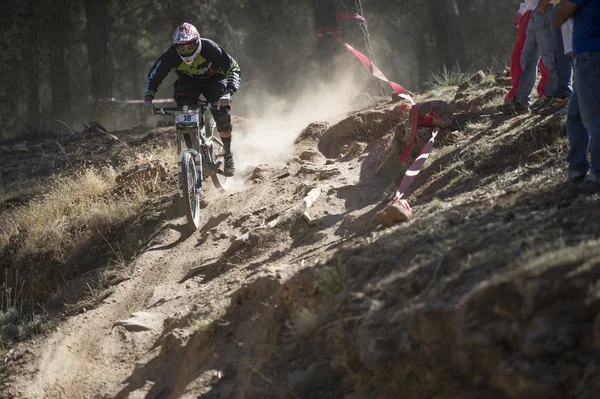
(188, 91)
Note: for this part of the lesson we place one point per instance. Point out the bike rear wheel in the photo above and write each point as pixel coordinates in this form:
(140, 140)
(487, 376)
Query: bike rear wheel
(218, 152)
(191, 193)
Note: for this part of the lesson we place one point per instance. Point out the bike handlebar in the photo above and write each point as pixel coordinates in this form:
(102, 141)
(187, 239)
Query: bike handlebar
(165, 111)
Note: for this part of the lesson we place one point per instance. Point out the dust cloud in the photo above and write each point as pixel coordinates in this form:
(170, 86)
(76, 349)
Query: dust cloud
(268, 135)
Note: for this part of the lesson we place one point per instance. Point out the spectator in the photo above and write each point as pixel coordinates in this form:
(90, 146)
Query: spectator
(564, 70)
(583, 120)
(521, 21)
(567, 34)
(538, 42)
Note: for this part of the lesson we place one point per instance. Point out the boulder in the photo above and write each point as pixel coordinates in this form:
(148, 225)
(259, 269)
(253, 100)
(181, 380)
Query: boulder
(395, 212)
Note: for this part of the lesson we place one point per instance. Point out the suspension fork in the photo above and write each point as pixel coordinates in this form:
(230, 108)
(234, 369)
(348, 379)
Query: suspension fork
(194, 131)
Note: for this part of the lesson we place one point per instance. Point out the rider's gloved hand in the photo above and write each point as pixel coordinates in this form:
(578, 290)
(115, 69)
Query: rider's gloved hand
(148, 106)
(225, 100)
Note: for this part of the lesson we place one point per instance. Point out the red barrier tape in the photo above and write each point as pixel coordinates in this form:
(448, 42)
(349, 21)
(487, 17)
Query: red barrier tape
(416, 166)
(414, 123)
(399, 89)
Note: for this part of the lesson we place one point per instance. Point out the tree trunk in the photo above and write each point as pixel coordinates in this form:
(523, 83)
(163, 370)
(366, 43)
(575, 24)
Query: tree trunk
(448, 38)
(60, 82)
(328, 48)
(422, 58)
(32, 71)
(353, 31)
(33, 91)
(98, 51)
(356, 33)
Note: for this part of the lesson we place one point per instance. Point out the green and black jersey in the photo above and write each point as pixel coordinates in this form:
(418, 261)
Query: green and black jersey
(212, 65)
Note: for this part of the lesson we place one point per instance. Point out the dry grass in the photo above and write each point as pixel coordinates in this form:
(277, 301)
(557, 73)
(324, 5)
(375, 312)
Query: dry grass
(448, 77)
(81, 232)
(494, 102)
(474, 127)
(61, 220)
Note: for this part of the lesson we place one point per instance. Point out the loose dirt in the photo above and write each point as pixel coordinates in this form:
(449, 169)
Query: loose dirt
(489, 292)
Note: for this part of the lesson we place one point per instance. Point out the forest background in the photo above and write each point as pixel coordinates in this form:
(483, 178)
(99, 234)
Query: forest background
(63, 58)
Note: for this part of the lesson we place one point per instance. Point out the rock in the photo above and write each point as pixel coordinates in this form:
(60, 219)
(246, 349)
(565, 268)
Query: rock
(174, 341)
(308, 170)
(328, 174)
(313, 131)
(311, 155)
(141, 321)
(394, 213)
(4, 149)
(259, 172)
(353, 150)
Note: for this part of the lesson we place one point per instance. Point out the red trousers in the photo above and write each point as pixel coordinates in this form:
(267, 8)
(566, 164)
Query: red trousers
(515, 61)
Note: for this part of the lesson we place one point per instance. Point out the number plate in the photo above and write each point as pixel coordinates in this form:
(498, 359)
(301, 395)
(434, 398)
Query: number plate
(187, 118)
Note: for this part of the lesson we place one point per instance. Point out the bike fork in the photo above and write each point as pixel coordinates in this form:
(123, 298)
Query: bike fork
(197, 163)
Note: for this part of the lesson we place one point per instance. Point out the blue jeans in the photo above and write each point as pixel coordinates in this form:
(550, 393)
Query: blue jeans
(562, 61)
(583, 121)
(539, 42)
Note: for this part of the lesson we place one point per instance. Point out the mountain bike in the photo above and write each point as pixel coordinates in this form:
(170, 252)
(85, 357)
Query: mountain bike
(200, 149)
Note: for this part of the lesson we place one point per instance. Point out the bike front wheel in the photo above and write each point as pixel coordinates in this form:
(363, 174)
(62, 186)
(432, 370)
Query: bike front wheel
(218, 153)
(191, 192)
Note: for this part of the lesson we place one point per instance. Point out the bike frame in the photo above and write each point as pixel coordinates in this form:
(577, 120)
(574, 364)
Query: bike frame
(189, 120)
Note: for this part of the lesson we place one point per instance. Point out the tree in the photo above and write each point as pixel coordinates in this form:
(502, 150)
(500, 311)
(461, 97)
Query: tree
(345, 18)
(98, 48)
(448, 38)
(60, 82)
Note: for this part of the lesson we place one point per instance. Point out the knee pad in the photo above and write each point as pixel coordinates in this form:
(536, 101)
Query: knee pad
(223, 120)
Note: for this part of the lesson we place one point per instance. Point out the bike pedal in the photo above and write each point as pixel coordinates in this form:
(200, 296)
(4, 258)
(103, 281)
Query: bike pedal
(214, 166)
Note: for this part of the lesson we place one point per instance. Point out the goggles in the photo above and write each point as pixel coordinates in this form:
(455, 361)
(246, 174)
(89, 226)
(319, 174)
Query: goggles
(187, 48)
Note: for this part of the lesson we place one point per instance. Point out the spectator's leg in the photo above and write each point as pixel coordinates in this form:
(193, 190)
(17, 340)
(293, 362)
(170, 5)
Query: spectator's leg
(541, 88)
(578, 140)
(529, 60)
(587, 69)
(515, 57)
(545, 42)
(564, 69)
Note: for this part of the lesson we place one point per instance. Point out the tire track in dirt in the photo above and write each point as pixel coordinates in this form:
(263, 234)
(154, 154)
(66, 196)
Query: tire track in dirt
(79, 357)
(86, 357)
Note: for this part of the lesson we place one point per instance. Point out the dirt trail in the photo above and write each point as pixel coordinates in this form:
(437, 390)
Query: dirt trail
(91, 354)
(490, 292)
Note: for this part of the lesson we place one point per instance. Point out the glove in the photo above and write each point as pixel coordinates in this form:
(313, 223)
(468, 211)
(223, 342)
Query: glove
(148, 107)
(225, 100)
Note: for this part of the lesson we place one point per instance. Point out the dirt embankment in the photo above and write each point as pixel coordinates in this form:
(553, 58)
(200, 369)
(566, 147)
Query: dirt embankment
(489, 292)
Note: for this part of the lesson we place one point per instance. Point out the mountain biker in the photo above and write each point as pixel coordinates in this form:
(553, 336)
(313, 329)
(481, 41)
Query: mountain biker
(203, 68)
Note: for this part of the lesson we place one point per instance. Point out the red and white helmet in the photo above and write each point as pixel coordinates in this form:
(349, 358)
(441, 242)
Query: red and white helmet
(187, 42)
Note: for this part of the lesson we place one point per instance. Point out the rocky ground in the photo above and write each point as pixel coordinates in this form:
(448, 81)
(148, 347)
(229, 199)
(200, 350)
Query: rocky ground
(489, 292)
